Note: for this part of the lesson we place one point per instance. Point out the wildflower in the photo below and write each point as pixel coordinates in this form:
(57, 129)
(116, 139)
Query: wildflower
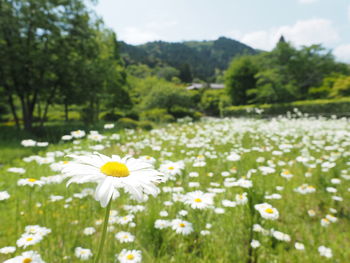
(28, 143)
(108, 126)
(269, 212)
(255, 243)
(280, 236)
(4, 195)
(78, 134)
(28, 240)
(311, 212)
(88, 231)
(204, 232)
(30, 182)
(83, 253)
(26, 257)
(66, 137)
(241, 199)
(163, 213)
(7, 250)
(16, 170)
(123, 220)
(325, 251)
(199, 200)
(181, 226)
(161, 224)
(124, 237)
(135, 176)
(299, 246)
(129, 256)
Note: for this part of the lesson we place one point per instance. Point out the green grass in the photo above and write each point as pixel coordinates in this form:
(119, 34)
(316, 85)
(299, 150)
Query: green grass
(231, 232)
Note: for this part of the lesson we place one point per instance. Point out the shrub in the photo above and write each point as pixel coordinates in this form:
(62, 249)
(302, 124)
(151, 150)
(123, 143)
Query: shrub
(112, 116)
(132, 115)
(180, 112)
(127, 123)
(197, 115)
(339, 107)
(146, 125)
(156, 115)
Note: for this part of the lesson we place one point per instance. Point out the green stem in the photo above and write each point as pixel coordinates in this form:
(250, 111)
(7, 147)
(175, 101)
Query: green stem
(104, 231)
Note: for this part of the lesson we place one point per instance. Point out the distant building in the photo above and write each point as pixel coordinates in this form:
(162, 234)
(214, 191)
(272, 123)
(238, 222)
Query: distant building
(197, 86)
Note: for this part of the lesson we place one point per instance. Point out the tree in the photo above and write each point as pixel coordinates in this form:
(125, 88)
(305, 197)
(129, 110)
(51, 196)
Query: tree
(239, 78)
(57, 52)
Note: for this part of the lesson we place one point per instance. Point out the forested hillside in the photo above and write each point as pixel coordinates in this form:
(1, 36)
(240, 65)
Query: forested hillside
(203, 60)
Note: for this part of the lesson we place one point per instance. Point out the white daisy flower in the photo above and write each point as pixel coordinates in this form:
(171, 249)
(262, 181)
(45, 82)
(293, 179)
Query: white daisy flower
(255, 243)
(181, 226)
(129, 256)
(137, 177)
(30, 182)
(88, 231)
(199, 200)
(28, 240)
(161, 224)
(299, 246)
(7, 250)
(267, 211)
(26, 257)
(82, 253)
(4, 195)
(124, 237)
(325, 252)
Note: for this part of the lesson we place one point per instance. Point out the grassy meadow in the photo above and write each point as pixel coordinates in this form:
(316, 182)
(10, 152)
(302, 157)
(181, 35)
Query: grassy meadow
(298, 168)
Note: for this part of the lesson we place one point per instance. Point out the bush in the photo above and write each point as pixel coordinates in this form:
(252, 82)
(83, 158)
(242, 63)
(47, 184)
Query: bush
(340, 107)
(156, 115)
(112, 116)
(132, 115)
(197, 115)
(146, 125)
(213, 102)
(127, 123)
(180, 112)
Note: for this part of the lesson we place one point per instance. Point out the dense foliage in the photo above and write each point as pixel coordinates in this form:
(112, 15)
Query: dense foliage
(57, 52)
(286, 74)
(204, 60)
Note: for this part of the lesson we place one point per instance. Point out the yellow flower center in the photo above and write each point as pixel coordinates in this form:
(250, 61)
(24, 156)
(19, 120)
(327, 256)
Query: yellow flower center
(115, 169)
(65, 162)
(29, 239)
(171, 168)
(32, 180)
(182, 225)
(27, 260)
(198, 200)
(130, 257)
(269, 210)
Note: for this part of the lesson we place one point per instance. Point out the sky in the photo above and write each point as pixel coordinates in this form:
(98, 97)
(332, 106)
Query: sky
(257, 23)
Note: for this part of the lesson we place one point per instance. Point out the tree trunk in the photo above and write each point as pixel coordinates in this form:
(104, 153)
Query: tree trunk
(13, 110)
(27, 119)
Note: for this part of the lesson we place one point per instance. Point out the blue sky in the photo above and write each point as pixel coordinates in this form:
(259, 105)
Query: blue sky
(258, 23)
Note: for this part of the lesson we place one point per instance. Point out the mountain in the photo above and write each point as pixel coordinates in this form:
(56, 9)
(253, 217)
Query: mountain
(199, 59)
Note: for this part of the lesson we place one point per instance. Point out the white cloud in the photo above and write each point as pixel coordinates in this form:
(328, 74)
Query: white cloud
(303, 32)
(135, 36)
(307, 1)
(342, 53)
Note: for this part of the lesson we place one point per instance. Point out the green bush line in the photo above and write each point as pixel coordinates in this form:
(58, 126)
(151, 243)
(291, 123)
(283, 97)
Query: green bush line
(339, 106)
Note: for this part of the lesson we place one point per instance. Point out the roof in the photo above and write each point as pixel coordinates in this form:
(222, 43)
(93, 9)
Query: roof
(201, 86)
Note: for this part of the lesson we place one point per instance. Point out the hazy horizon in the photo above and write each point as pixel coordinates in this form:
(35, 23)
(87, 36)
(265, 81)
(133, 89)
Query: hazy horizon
(255, 23)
